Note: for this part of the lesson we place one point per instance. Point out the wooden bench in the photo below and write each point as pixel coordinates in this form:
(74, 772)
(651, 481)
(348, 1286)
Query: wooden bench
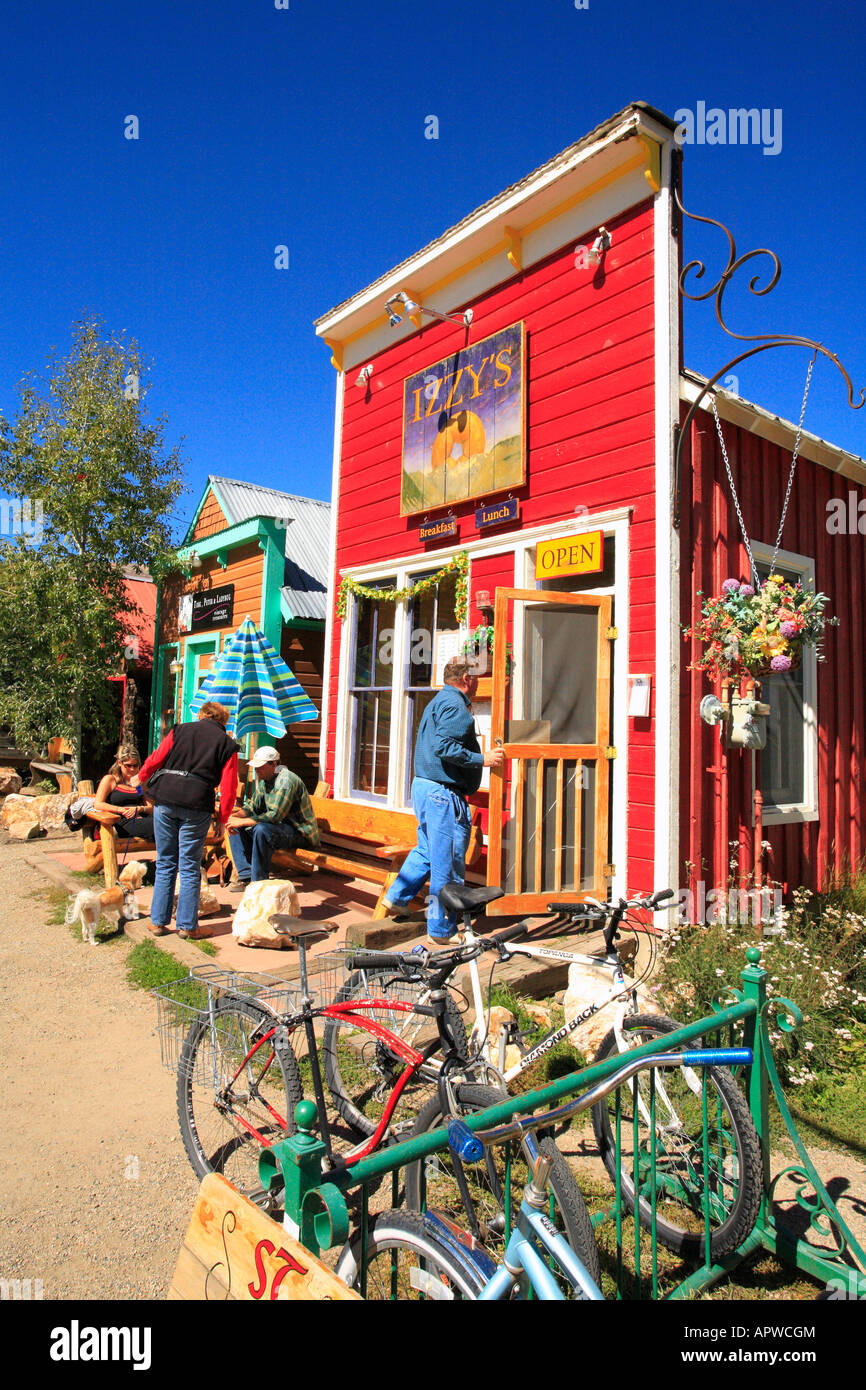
(10, 756)
(64, 771)
(362, 841)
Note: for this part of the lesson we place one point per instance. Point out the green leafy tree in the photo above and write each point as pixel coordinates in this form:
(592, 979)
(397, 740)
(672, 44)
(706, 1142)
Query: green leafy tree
(89, 490)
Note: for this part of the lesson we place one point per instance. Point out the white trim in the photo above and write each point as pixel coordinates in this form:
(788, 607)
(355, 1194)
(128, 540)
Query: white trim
(332, 578)
(667, 645)
(539, 192)
(798, 812)
(494, 545)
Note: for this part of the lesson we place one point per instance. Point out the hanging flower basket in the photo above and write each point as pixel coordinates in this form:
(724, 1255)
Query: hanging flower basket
(749, 633)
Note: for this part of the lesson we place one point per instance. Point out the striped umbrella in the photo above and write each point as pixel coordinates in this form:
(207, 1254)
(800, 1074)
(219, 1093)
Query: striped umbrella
(251, 679)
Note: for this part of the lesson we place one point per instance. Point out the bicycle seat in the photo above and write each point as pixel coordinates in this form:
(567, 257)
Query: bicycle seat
(459, 897)
(298, 930)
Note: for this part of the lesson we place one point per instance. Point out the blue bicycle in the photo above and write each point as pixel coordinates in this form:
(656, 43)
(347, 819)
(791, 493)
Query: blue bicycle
(410, 1256)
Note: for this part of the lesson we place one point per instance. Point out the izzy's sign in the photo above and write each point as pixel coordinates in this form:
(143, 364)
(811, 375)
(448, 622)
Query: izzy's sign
(463, 428)
(570, 555)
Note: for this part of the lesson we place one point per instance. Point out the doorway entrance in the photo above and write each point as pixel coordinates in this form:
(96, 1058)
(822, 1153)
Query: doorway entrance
(549, 809)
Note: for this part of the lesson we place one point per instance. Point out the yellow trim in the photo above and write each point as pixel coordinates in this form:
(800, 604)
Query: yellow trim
(653, 171)
(337, 349)
(638, 162)
(515, 252)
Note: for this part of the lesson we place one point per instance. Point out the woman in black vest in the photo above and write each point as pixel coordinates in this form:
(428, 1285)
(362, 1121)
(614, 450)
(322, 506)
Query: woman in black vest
(181, 777)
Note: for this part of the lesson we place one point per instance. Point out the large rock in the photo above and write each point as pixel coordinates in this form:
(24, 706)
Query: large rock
(260, 900)
(25, 830)
(19, 809)
(50, 810)
(10, 781)
(586, 986)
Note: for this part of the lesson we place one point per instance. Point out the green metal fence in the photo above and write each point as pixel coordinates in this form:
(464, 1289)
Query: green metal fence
(316, 1203)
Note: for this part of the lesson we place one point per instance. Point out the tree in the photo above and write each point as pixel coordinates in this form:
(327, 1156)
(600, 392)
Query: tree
(82, 459)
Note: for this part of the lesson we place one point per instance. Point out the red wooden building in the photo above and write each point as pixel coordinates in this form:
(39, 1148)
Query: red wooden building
(535, 445)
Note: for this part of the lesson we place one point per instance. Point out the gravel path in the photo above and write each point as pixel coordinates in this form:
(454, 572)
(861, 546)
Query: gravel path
(95, 1186)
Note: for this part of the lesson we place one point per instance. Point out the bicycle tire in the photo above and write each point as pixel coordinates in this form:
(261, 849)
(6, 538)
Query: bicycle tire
(735, 1153)
(406, 1261)
(485, 1183)
(360, 1071)
(213, 1099)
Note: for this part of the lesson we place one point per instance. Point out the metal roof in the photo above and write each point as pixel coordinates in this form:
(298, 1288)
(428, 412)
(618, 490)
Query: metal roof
(308, 539)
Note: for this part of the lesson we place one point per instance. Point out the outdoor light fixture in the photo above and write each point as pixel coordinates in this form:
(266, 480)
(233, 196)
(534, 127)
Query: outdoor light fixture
(599, 248)
(364, 374)
(483, 601)
(175, 667)
(400, 304)
(195, 560)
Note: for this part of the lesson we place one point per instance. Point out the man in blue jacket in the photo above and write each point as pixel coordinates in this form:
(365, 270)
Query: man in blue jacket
(448, 767)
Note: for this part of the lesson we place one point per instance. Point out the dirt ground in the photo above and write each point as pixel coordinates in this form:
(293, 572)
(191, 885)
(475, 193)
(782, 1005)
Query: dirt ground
(95, 1185)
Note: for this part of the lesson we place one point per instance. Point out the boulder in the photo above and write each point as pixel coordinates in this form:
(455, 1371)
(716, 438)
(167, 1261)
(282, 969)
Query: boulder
(586, 986)
(50, 810)
(19, 809)
(9, 781)
(25, 830)
(259, 902)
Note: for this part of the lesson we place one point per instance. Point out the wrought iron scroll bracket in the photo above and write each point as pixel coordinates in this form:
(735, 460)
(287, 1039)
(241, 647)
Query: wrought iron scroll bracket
(764, 341)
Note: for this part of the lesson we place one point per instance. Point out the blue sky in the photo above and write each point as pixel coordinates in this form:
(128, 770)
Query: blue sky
(305, 127)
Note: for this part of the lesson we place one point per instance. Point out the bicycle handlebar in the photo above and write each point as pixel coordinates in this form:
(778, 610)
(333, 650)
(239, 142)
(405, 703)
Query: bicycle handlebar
(472, 1143)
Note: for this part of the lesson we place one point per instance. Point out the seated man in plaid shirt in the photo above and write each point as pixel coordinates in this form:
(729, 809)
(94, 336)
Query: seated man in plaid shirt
(277, 814)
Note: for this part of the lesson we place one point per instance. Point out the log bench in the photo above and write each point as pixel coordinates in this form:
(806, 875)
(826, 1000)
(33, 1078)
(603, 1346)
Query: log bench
(63, 771)
(362, 841)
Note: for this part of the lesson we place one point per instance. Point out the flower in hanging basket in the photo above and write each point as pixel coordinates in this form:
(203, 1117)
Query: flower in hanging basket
(747, 633)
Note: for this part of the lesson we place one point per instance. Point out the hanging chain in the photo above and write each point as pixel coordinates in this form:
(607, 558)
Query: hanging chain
(794, 459)
(754, 567)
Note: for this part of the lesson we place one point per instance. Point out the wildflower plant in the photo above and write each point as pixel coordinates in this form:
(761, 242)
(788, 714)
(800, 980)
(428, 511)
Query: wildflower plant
(749, 632)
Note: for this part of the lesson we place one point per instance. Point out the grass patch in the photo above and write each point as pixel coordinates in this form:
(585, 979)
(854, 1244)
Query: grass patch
(148, 966)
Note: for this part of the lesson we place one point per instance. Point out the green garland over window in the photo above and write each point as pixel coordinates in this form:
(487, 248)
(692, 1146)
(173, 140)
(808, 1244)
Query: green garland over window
(458, 565)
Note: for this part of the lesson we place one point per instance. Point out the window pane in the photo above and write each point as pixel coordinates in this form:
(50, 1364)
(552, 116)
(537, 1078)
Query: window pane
(372, 738)
(783, 772)
(374, 625)
(430, 614)
(383, 674)
(783, 761)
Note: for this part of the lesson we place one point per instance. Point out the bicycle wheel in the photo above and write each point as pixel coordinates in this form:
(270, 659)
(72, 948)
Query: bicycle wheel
(475, 1195)
(734, 1156)
(231, 1105)
(361, 1071)
(406, 1260)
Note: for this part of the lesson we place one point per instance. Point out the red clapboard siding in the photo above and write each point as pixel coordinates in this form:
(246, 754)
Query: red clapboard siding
(590, 427)
(716, 785)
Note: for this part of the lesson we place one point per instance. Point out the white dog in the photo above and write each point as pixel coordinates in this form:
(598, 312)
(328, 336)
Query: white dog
(118, 904)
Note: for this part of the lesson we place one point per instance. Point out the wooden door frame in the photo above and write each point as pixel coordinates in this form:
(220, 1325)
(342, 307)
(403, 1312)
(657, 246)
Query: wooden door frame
(603, 604)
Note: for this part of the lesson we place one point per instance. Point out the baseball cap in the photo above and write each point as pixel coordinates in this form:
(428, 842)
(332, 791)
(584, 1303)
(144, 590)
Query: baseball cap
(264, 755)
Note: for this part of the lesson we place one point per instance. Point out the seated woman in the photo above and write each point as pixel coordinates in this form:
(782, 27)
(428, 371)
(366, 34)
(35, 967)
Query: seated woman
(120, 794)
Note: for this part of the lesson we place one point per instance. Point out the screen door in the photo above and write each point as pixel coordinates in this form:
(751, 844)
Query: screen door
(548, 838)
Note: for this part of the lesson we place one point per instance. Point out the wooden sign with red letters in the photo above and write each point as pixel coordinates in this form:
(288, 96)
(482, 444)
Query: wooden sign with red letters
(233, 1251)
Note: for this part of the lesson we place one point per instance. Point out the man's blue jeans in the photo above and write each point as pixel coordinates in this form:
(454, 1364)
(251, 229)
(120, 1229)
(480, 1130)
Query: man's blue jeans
(253, 847)
(444, 823)
(180, 835)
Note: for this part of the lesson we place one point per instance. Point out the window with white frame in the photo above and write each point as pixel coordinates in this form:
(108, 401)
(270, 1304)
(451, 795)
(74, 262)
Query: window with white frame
(398, 652)
(372, 693)
(789, 780)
